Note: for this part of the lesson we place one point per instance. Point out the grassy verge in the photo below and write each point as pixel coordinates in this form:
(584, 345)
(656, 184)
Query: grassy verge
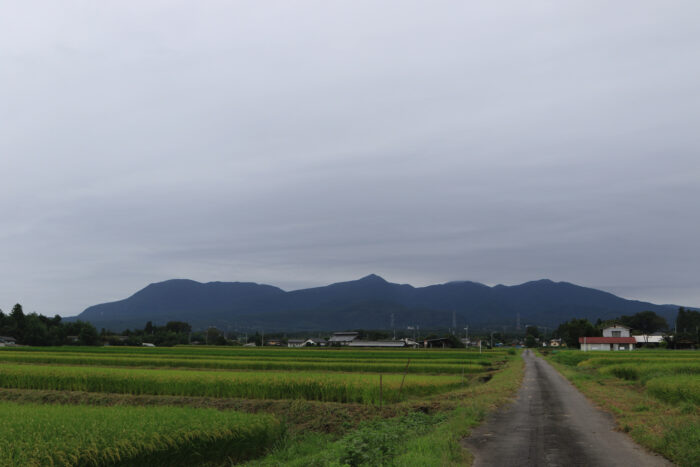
(670, 429)
(429, 433)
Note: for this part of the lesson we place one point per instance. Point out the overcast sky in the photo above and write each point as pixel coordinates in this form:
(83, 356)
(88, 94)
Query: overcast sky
(299, 143)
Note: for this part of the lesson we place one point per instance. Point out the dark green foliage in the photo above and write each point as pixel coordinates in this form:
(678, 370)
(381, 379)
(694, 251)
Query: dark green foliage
(35, 329)
(173, 333)
(530, 341)
(572, 330)
(378, 442)
(646, 322)
(687, 327)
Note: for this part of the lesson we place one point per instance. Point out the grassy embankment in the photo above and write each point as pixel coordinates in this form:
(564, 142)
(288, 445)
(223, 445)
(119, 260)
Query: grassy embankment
(653, 395)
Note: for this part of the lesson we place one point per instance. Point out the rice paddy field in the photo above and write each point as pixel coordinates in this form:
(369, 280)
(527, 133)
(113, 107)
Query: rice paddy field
(225, 406)
(653, 394)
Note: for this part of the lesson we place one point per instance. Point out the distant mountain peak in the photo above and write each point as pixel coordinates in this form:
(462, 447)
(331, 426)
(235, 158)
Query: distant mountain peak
(372, 278)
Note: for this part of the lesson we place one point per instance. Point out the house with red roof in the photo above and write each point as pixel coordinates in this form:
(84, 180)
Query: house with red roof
(614, 338)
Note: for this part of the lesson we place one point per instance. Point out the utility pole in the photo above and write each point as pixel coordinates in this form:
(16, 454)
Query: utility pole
(466, 335)
(392, 325)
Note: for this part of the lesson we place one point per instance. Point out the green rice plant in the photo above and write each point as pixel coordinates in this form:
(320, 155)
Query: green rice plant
(329, 353)
(570, 357)
(645, 371)
(675, 389)
(331, 387)
(452, 366)
(38, 435)
(603, 362)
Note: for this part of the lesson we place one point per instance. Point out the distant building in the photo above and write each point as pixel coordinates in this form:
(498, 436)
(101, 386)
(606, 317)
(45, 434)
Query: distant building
(614, 338)
(316, 341)
(644, 339)
(296, 342)
(384, 344)
(440, 342)
(6, 341)
(342, 338)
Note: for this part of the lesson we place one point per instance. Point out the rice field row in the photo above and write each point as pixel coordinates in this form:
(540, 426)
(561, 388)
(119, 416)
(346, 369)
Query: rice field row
(646, 371)
(330, 387)
(39, 435)
(75, 434)
(671, 376)
(145, 359)
(321, 353)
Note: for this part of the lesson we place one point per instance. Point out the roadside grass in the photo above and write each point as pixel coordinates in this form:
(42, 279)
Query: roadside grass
(670, 429)
(38, 435)
(429, 434)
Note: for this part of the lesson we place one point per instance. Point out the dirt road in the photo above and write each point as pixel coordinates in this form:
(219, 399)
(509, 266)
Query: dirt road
(552, 424)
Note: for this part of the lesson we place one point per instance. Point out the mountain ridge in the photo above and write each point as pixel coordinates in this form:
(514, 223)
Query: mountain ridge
(368, 302)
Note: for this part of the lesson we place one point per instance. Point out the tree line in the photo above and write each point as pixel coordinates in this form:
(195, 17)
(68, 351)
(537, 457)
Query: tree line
(35, 329)
(685, 331)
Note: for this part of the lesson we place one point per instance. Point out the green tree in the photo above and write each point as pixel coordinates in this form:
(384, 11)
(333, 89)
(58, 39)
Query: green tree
(575, 328)
(688, 326)
(17, 314)
(35, 331)
(647, 322)
(179, 327)
(88, 334)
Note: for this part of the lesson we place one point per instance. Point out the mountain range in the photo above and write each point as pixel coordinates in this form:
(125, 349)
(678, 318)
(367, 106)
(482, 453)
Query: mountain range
(366, 303)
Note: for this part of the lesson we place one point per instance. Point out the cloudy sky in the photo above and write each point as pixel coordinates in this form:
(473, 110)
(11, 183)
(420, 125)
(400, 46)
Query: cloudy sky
(299, 143)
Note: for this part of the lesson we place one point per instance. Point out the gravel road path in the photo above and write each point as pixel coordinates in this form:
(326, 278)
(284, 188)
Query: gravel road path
(552, 424)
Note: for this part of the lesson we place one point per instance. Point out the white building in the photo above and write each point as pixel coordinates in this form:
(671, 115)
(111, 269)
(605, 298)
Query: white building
(614, 338)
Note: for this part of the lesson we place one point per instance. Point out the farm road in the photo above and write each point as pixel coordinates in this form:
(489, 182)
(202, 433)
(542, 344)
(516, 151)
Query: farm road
(552, 424)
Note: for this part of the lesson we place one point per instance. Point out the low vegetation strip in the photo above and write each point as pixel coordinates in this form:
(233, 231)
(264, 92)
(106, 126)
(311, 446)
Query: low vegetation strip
(645, 371)
(452, 366)
(676, 389)
(331, 387)
(38, 435)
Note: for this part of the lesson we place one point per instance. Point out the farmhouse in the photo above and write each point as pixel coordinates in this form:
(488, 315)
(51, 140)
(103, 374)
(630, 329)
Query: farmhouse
(342, 338)
(296, 342)
(614, 338)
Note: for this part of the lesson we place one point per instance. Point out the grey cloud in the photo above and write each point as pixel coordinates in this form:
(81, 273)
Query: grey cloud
(302, 144)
